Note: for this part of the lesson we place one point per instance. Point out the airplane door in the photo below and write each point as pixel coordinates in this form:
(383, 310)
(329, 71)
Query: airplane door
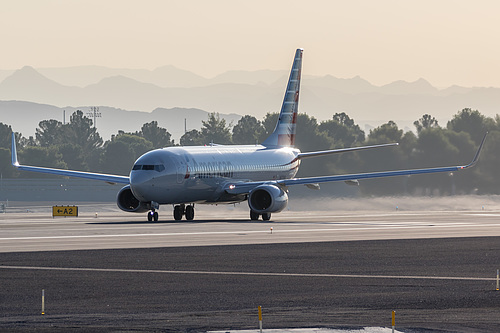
(181, 169)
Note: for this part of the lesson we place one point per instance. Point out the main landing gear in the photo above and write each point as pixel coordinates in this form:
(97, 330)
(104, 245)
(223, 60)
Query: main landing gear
(180, 210)
(254, 216)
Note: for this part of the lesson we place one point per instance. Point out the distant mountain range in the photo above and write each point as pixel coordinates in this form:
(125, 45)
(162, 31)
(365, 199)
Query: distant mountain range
(176, 94)
(25, 116)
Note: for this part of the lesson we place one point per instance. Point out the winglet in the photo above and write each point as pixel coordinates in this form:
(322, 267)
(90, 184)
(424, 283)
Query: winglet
(476, 157)
(14, 151)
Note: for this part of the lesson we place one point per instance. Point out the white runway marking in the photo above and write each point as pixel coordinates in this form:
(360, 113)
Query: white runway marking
(485, 214)
(34, 233)
(312, 275)
(276, 230)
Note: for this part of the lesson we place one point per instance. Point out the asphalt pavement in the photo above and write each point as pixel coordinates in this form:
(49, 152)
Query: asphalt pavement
(434, 284)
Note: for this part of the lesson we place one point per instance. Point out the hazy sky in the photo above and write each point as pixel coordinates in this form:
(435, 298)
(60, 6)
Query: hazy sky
(447, 42)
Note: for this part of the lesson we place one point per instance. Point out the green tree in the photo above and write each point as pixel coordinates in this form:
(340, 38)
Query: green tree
(497, 123)
(248, 130)
(95, 161)
(309, 138)
(192, 138)
(22, 142)
(472, 122)
(158, 136)
(385, 133)
(118, 158)
(120, 153)
(50, 133)
(5, 135)
(76, 140)
(41, 156)
(137, 144)
(6, 168)
(488, 164)
(427, 121)
(216, 130)
(441, 147)
(435, 148)
(382, 159)
(81, 132)
(73, 156)
(343, 130)
(269, 124)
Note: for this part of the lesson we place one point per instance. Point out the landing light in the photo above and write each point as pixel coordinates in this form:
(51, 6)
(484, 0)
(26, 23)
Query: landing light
(232, 186)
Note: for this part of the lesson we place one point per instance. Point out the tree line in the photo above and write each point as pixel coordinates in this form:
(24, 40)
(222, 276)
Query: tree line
(77, 145)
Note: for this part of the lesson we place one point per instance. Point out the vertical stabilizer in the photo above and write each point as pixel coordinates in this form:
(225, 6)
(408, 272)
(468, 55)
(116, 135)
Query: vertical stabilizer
(284, 133)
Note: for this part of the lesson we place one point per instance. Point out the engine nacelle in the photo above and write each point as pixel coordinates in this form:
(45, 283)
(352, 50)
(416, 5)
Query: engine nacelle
(267, 199)
(127, 202)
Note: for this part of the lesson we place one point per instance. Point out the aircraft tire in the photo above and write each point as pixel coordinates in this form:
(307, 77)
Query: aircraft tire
(178, 213)
(155, 216)
(266, 216)
(189, 213)
(254, 216)
(150, 216)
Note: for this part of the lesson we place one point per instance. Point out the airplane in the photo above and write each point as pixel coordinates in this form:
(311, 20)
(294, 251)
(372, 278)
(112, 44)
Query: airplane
(226, 174)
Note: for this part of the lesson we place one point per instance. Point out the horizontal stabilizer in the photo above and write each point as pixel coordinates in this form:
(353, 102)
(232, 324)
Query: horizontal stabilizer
(343, 150)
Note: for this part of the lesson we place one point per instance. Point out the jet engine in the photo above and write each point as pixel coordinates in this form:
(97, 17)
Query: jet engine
(127, 202)
(267, 199)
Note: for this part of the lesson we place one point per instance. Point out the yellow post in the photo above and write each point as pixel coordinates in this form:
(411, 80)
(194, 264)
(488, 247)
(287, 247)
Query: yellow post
(393, 320)
(43, 301)
(260, 318)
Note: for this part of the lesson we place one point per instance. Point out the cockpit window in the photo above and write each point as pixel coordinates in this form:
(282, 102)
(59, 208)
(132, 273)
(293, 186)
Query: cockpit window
(155, 167)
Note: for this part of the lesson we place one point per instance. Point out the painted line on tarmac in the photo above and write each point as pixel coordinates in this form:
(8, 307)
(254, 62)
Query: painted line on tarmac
(378, 224)
(364, 276)
(485, 214)
(239, 232)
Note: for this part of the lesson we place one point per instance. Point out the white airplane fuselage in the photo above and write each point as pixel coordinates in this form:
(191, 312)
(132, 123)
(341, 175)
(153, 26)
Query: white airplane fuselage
(178, 175)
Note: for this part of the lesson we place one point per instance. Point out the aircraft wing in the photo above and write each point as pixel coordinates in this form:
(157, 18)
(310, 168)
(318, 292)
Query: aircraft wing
(61, 172)
(246, 187)
(357, 176)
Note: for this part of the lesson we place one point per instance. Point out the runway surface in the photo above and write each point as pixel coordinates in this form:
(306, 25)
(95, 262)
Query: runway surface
(437, 270)
(40, 232)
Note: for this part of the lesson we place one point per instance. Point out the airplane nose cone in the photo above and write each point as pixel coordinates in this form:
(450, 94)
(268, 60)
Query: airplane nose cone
(152, 175)
(139, 184)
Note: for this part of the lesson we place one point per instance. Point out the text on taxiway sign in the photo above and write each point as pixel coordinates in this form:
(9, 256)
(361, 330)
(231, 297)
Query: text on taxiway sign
(64, 210)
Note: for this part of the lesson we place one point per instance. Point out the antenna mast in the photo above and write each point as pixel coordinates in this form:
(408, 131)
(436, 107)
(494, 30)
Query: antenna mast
(94, 113)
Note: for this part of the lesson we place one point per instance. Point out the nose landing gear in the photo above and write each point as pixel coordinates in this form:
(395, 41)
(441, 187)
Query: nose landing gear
(153, 214)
